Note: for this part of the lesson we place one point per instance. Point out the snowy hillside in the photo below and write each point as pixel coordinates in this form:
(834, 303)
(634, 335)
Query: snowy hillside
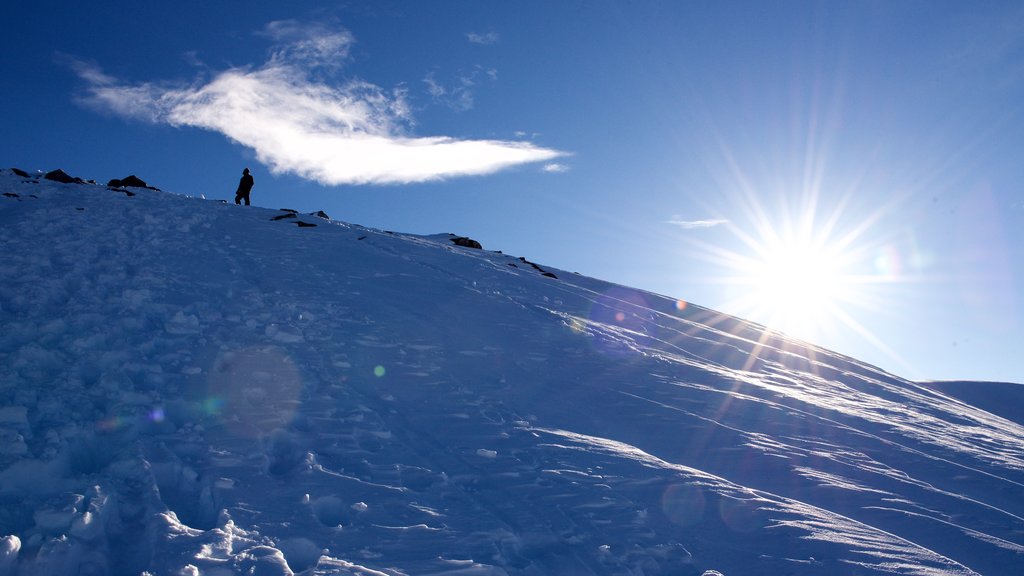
(191, 387)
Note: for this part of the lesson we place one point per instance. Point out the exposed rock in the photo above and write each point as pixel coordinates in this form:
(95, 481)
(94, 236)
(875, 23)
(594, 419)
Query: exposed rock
(59, 175)
(302, 224)
(542, 271)
(466, 242)
(320, 214)
(288, 210)
(21, 173)
(11, 195)
(283, 216)
(132, 181)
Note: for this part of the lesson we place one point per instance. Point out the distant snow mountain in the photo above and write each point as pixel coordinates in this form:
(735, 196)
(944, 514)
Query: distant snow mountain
(191, 387)
(1001, 398)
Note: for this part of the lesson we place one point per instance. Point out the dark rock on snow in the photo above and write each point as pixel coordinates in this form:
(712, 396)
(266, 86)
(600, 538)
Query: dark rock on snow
(21, 173)
(302, 224)
(320, 214)
(283, 216)
(466, 242)
(132, 181)
(59, 175)
(542, 271)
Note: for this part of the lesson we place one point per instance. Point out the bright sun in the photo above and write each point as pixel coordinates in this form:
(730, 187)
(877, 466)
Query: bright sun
(796, 286)
(797, 273)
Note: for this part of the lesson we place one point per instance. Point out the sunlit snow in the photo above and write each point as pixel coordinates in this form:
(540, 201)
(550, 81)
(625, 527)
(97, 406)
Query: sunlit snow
(191, 387)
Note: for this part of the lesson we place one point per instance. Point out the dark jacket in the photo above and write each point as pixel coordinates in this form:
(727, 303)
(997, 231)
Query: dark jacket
(244, 185)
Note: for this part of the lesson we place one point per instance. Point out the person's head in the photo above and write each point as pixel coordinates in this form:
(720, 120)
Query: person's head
(246, 171)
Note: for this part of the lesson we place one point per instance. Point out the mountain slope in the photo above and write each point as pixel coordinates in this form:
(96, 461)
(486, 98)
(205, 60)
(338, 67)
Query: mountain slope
(1000, 398)
(189, 387)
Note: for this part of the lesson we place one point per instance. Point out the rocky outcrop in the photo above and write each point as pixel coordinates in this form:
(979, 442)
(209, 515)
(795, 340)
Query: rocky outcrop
(466, 242)
(59, 175)
(132, 181)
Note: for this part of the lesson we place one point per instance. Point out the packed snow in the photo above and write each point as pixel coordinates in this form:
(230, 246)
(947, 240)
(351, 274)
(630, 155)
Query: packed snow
(192, 387)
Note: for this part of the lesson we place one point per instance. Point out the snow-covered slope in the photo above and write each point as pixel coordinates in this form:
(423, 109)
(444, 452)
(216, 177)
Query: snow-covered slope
(189, 387)
(1003, 398)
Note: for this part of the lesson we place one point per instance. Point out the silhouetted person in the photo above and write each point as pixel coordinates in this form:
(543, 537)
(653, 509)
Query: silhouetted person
(244, 187)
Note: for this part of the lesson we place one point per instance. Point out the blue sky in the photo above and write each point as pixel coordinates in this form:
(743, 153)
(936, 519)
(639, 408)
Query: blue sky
(850, 172)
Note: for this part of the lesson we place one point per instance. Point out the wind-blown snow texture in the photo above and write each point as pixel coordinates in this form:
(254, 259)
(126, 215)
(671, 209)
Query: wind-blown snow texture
(189, 387)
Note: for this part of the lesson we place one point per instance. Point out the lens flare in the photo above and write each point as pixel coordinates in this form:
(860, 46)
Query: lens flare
(213, 406)
(157, 414)
(615, 310)
(110, 424)
(740, 515)
(683, 504)
(253, 390)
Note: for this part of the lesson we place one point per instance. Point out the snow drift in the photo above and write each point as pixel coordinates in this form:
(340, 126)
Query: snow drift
(189, 387)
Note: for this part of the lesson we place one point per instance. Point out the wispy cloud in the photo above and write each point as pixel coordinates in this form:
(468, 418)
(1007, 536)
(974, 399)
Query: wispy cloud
(555, 167)
(308, 44)
(485, 39)
(696, 224)
(349, 132)
(458, 94)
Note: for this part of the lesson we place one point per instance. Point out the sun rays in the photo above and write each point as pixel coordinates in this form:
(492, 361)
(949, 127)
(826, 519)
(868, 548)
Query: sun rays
(802, 261)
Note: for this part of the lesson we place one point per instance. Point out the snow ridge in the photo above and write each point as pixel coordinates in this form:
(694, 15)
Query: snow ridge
(189, 387)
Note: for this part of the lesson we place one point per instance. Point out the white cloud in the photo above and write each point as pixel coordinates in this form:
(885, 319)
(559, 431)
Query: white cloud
(308, 44)
(354, 133)
(485, 39)
(555, 167)
(458, 94)
(695, 224)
